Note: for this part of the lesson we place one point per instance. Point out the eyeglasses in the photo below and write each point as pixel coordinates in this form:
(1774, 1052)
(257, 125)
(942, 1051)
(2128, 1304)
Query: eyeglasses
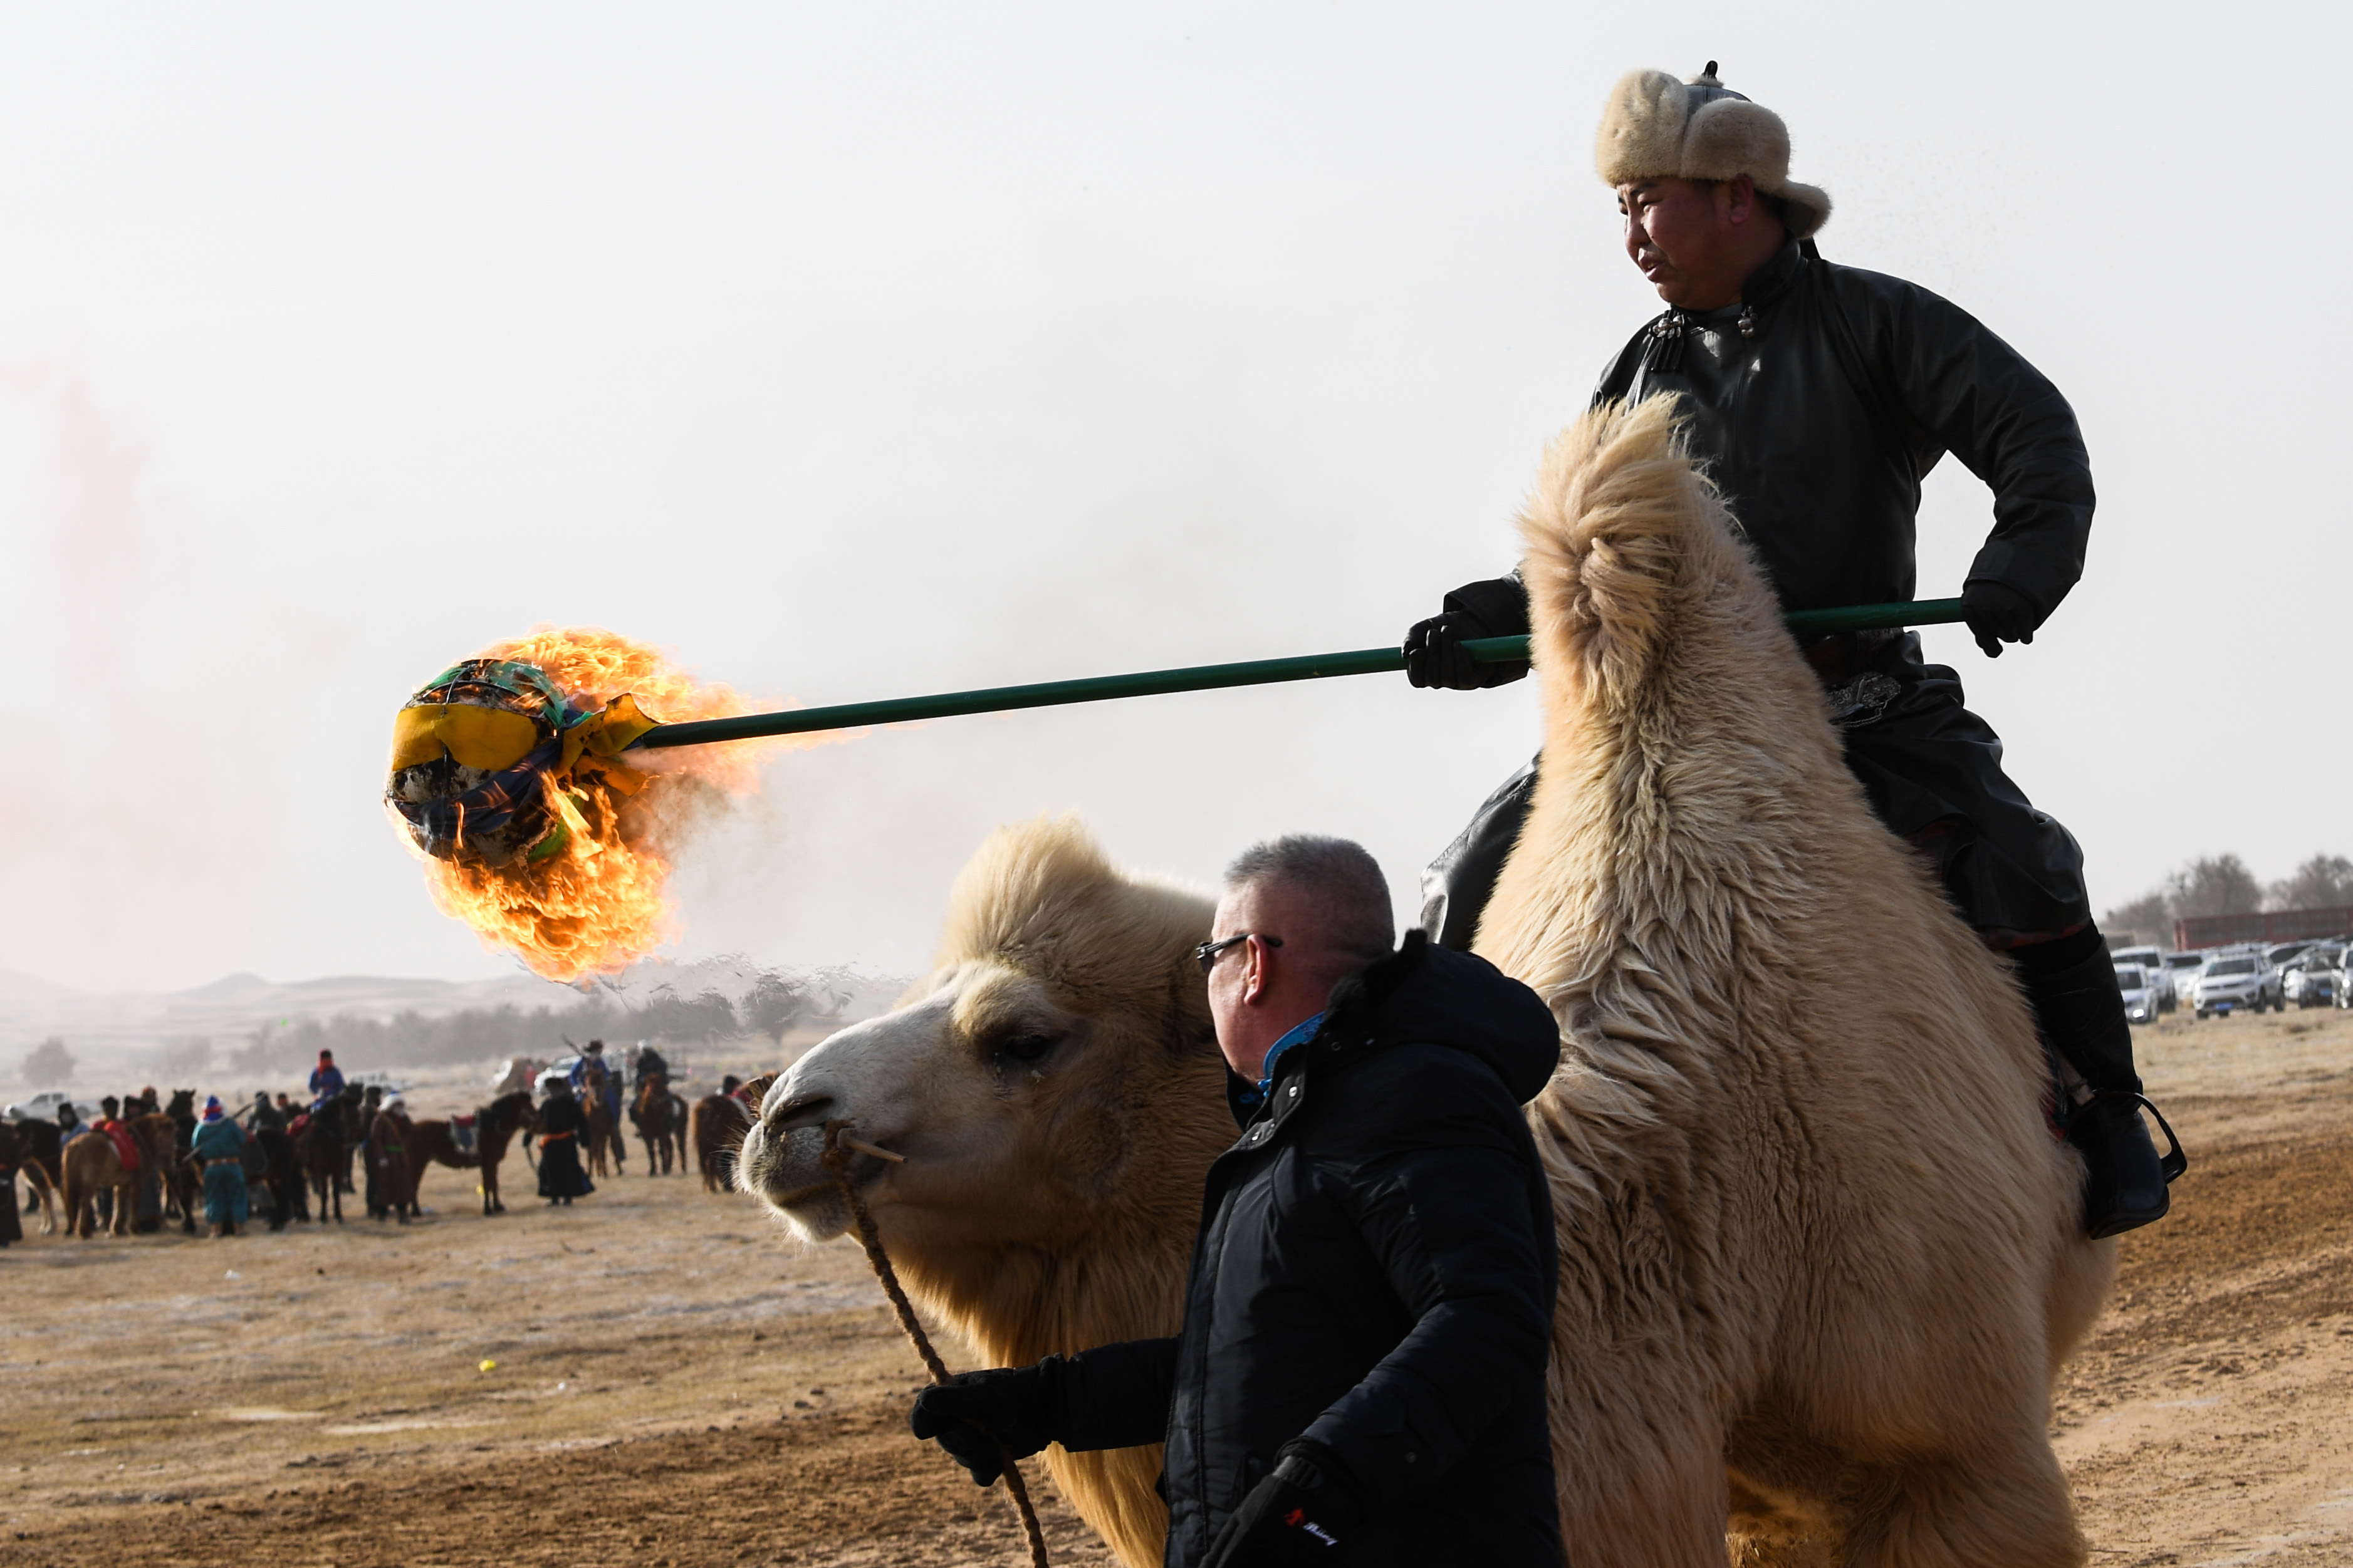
(1206, 955)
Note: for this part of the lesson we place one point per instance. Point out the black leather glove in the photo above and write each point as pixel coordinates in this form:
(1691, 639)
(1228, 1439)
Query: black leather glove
(1997, 612)
(982, 1416)
(1434, 655)
(1302, 1513)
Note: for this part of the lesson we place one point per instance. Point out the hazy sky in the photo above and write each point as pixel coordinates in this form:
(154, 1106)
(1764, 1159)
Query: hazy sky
(863, 350)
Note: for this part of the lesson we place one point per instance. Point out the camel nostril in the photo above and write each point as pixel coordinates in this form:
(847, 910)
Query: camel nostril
(809, 1110)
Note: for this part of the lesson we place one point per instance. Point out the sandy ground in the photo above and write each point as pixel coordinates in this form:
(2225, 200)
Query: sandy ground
(657, 1376)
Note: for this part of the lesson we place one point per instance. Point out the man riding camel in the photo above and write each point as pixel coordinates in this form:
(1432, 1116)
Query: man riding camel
(1818, 396)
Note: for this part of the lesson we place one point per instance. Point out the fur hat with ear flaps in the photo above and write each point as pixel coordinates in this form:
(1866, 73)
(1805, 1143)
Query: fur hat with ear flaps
(1656, 125)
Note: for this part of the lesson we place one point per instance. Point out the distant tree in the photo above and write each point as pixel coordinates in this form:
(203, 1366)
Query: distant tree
(271, 1053)
(2322, 882)
(833, 989)
(185, 1061)
(280, 1053)
(773, 1004)
(707, 1017)
(49, 1064)
(2150, 915)
(2213, 884)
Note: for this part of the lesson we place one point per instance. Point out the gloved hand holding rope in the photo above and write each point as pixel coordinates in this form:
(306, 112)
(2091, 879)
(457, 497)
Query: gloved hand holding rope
(985, 1467)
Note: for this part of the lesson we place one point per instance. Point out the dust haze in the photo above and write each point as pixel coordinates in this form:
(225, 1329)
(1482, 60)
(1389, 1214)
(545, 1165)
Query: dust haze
(868, 354)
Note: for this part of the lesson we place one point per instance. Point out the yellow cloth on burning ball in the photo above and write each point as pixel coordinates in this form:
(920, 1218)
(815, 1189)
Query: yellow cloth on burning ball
(491, 739)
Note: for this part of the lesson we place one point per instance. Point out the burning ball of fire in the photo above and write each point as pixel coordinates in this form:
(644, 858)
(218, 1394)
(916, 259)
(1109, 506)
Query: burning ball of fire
(508, 778)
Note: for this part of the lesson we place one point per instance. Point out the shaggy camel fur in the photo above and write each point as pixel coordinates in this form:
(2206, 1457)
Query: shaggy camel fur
(1820, 1251)
(92, 1165)
(1056, 1088)
(1815, 1229)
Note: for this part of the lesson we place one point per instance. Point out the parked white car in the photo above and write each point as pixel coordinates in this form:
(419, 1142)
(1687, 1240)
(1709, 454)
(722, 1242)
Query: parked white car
(2309, 979)
(560, 1067)
(2160, 975)
(45, 1104)
(376, 1077)
(2234, 981)
(2184, 968)
(2278, 953)
(2139, 986)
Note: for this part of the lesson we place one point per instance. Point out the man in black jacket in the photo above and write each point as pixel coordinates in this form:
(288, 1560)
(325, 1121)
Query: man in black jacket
(1819, 396)
(1360, 1379)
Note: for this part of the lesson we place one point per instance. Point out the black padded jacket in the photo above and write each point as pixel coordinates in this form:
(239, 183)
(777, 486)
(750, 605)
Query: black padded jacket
(1375, 1272)
(1820, 421)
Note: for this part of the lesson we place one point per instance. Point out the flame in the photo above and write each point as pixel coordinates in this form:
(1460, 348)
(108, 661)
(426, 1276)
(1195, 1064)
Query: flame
(597, 906)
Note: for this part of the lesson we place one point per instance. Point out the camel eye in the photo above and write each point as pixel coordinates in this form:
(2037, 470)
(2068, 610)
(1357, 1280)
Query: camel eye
(1028, 1047)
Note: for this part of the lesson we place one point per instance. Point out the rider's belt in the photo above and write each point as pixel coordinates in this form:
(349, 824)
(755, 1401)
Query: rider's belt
(1842, 656)
(210, 1163)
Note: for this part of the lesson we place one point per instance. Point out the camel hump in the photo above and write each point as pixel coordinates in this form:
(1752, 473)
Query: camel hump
(1626, 541)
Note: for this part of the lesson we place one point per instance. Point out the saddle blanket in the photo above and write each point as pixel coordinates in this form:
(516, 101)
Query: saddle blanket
(126, 1147)
(463, 1135)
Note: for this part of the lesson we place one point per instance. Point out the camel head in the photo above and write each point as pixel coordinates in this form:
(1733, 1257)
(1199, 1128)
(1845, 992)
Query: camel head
(1055, 1088)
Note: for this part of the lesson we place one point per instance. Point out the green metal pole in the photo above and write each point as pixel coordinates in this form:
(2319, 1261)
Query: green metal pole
(1202, 678)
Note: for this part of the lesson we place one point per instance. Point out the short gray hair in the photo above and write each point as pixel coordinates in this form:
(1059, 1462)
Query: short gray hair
(1340, 875)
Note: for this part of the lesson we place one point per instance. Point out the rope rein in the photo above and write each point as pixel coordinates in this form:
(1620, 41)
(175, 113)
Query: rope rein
(836, 1160)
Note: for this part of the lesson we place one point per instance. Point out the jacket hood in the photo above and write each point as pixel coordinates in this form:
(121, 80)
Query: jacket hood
(1434, 996)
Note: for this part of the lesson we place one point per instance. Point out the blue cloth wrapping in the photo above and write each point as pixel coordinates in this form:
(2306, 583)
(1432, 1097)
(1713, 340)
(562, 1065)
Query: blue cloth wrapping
(224, 1196)
(225, 1202)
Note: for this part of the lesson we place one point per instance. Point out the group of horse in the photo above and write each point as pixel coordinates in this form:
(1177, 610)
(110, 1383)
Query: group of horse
(305, 1168)
(712, 1129)
(654, 1110)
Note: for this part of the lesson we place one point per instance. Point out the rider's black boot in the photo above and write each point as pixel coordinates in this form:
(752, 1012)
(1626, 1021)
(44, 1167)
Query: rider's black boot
(2072, 984)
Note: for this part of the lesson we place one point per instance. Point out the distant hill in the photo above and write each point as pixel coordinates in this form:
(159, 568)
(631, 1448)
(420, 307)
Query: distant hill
(103, 1023)
(105, 1030)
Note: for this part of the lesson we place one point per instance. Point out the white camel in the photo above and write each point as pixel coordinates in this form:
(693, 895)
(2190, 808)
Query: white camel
(1820, 1251)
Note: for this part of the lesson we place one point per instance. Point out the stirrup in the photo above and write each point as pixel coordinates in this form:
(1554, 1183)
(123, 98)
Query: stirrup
(2173, 1161)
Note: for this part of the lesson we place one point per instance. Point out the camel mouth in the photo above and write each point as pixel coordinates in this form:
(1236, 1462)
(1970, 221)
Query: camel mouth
(783, 1168)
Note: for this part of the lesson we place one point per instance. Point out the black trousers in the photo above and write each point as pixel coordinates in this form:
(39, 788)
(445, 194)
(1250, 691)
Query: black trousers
(1933, 773)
